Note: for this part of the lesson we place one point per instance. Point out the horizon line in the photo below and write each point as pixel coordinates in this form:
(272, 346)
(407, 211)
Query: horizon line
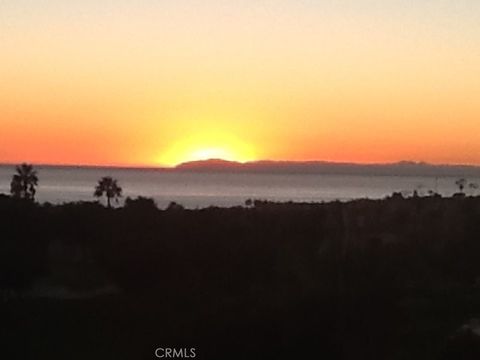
(174, 167)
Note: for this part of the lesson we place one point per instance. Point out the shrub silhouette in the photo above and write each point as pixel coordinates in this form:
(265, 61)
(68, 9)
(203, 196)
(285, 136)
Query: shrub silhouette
(140, 204)
(173, 206)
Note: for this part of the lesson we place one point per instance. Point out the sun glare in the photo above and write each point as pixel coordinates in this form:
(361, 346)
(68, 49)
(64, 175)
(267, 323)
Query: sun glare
(205, 147)
(213, 153)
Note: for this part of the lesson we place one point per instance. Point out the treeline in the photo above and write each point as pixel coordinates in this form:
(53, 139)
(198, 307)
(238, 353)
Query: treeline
(366, 279)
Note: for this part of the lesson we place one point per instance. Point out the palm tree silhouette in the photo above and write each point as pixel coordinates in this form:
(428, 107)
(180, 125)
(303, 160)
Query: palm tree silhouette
(24, 182)
(108, 186)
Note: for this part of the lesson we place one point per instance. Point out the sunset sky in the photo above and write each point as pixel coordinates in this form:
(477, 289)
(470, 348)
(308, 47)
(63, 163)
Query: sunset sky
(157, 82)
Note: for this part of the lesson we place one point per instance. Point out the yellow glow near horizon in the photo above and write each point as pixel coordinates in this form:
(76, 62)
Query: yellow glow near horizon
(205, 146)
(212, 153)
(148, 83)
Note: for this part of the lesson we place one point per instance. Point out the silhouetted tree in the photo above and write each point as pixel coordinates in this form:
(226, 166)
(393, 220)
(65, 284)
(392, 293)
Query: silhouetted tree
(109, 187)
(24, 182)
(461, 184)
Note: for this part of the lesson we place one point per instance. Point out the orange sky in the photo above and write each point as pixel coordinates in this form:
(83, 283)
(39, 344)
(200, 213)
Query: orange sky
(157, 83)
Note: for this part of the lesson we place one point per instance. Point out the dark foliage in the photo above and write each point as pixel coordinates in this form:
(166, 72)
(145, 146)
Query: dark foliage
(390, 279)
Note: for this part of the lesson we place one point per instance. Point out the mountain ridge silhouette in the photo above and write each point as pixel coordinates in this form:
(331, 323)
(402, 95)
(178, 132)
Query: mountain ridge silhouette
(400, 168)
(407, 168)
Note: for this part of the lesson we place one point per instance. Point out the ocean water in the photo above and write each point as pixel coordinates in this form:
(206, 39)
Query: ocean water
(198, 190)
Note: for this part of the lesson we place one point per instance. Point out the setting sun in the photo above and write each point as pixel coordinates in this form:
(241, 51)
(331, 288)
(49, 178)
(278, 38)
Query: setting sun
(213, 145)
(212, 153)
(157, 83)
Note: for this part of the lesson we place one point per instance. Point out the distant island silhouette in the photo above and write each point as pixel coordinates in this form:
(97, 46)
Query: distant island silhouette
(402, 168)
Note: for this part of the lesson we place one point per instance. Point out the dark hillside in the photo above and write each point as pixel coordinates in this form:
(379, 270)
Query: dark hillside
(389, 279)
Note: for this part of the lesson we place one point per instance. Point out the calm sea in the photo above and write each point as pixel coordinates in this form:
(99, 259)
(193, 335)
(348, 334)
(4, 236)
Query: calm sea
(58, 185)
